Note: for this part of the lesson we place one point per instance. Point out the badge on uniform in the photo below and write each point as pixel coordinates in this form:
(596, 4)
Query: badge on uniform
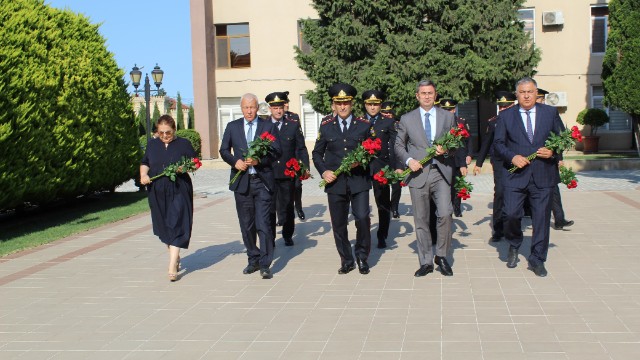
(372, 131)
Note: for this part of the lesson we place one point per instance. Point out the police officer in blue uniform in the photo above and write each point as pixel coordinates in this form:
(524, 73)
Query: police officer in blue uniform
(385, 130)
(505, 100)
(396, 189)
(292, 146)
(297, 199)
(338, 136)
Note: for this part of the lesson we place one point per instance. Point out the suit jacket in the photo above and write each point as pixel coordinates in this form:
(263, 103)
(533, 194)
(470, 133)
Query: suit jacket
(384, 129)
(411, 142)
(234, 146)
(511, 140)
(332, 146)
(292, 146)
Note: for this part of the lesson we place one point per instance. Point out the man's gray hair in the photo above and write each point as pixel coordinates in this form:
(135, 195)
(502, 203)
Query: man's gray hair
(424, 83)
(249, 97)
(526, 80)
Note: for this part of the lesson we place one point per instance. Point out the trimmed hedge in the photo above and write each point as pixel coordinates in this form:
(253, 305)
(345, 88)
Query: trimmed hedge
(66, 126)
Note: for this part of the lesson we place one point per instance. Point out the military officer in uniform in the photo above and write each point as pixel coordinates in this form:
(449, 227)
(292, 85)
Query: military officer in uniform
(385, 130)
(297, 200)
(396, 189)
(463, 157)
(292, 146)
(505, 100)
(559, 221)
(337, 137)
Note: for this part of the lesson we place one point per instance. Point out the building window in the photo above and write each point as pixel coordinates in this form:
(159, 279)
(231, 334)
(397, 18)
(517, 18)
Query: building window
(310, 120)
(233, 48)
(599, 28)
(228, 110)
(527, 17)
(618, 120)
(302, 44)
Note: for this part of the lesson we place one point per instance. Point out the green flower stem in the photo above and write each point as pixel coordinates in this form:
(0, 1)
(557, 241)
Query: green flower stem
(236, 176)
(340, 170)
(431, 152)
(530, 158)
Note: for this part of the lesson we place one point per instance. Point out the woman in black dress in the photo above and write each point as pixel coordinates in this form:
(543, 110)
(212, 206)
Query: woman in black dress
(171, 202)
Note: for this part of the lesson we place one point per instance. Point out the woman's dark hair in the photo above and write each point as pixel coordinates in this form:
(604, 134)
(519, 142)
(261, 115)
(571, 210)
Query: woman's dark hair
(167, 120)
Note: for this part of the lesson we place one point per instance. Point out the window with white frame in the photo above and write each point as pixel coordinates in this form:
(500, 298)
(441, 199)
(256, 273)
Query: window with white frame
(618, 120)
(310, 119)
(527, 18)
(228, 110)
(599, 28)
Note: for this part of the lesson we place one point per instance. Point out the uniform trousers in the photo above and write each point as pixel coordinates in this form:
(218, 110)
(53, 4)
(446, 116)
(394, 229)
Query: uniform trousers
(382, 195)
(339, 212)
(283, 207)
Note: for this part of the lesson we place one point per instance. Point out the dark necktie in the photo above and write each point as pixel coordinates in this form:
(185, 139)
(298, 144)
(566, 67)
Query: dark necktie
(344, 126)
(529, 127)
(427, 128)
(250, 132)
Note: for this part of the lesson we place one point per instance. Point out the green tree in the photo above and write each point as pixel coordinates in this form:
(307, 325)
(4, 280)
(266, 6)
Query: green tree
(66, 126)
(192, 124)
(621, 66)
(156, 114)
(141, 120)
(468, 48)
(179, 113)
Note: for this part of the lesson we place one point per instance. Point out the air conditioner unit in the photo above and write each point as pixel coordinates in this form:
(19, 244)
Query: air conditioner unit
(552, 18)
(557, 99)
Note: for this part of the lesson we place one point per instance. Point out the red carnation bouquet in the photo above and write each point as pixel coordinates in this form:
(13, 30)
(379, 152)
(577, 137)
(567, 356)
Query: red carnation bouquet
(362, 155)
(181, 166)
(258, 148)
(463, 188)
(568, 177)
(451, 140)
(558, 143)
(296, 169)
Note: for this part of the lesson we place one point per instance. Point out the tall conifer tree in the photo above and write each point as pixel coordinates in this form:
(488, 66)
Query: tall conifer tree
(468, 48)
(179, 113)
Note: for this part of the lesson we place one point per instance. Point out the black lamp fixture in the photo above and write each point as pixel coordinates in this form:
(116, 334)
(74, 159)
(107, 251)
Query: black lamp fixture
(157, 75)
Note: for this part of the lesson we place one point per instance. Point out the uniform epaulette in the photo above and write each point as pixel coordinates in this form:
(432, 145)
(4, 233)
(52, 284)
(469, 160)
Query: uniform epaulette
(363, 120)
(293, 120)
(326, 120)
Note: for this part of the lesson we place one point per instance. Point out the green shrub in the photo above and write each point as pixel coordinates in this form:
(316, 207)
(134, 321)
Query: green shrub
(66, 125)
(594, 118)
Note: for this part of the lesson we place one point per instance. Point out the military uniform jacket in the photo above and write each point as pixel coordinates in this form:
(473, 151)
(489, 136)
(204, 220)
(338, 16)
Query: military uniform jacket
(461, 153)
(332, 146)
(487, 143)
(384, 129)
(292, 146)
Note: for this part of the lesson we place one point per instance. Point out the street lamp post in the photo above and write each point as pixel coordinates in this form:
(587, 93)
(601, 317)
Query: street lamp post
(157, 75)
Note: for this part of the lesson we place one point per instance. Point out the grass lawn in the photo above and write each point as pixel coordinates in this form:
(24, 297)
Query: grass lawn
(31, 228)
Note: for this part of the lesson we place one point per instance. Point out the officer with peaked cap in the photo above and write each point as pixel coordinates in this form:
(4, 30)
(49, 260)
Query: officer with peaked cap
(396, 189)
(297, 200)
(293, 146)
(338, 136)
(385, 130)
(504, 100)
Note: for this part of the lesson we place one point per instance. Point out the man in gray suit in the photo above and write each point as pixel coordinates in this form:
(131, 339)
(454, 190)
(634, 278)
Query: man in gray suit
(417, 131)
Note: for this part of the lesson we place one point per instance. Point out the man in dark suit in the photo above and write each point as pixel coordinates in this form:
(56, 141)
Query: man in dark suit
(253, 190)
(520, 131)
(396, 189)
(292, 146)
(297, 199)
(417, 131)
(385, 130)
(338, 136)
(504, 100)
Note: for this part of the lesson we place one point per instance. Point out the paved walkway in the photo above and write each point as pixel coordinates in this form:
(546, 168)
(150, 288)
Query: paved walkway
(104, 294)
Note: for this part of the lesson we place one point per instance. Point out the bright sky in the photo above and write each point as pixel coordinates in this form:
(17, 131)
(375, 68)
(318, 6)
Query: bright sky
(144, 32)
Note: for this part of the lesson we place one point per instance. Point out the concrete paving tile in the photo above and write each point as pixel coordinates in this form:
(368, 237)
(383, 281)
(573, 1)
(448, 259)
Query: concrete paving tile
(501, 347)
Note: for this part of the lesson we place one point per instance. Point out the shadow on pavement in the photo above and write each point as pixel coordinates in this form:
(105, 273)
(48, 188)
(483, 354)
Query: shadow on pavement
(209, 256)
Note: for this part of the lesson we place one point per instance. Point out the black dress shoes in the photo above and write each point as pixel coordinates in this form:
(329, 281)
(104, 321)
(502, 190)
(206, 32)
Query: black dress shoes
(539, 269)
(266, 273)
(345, 269)
(559, 225)
(512, 259)
(300, 214)
(288, 242)
(424, 270)
(396, 214)
(457, 212)
(445, 268)
(250, 269)
(363, 267)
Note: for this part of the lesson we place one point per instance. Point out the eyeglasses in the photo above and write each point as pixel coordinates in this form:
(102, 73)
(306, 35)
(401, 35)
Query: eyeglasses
(165, 133)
